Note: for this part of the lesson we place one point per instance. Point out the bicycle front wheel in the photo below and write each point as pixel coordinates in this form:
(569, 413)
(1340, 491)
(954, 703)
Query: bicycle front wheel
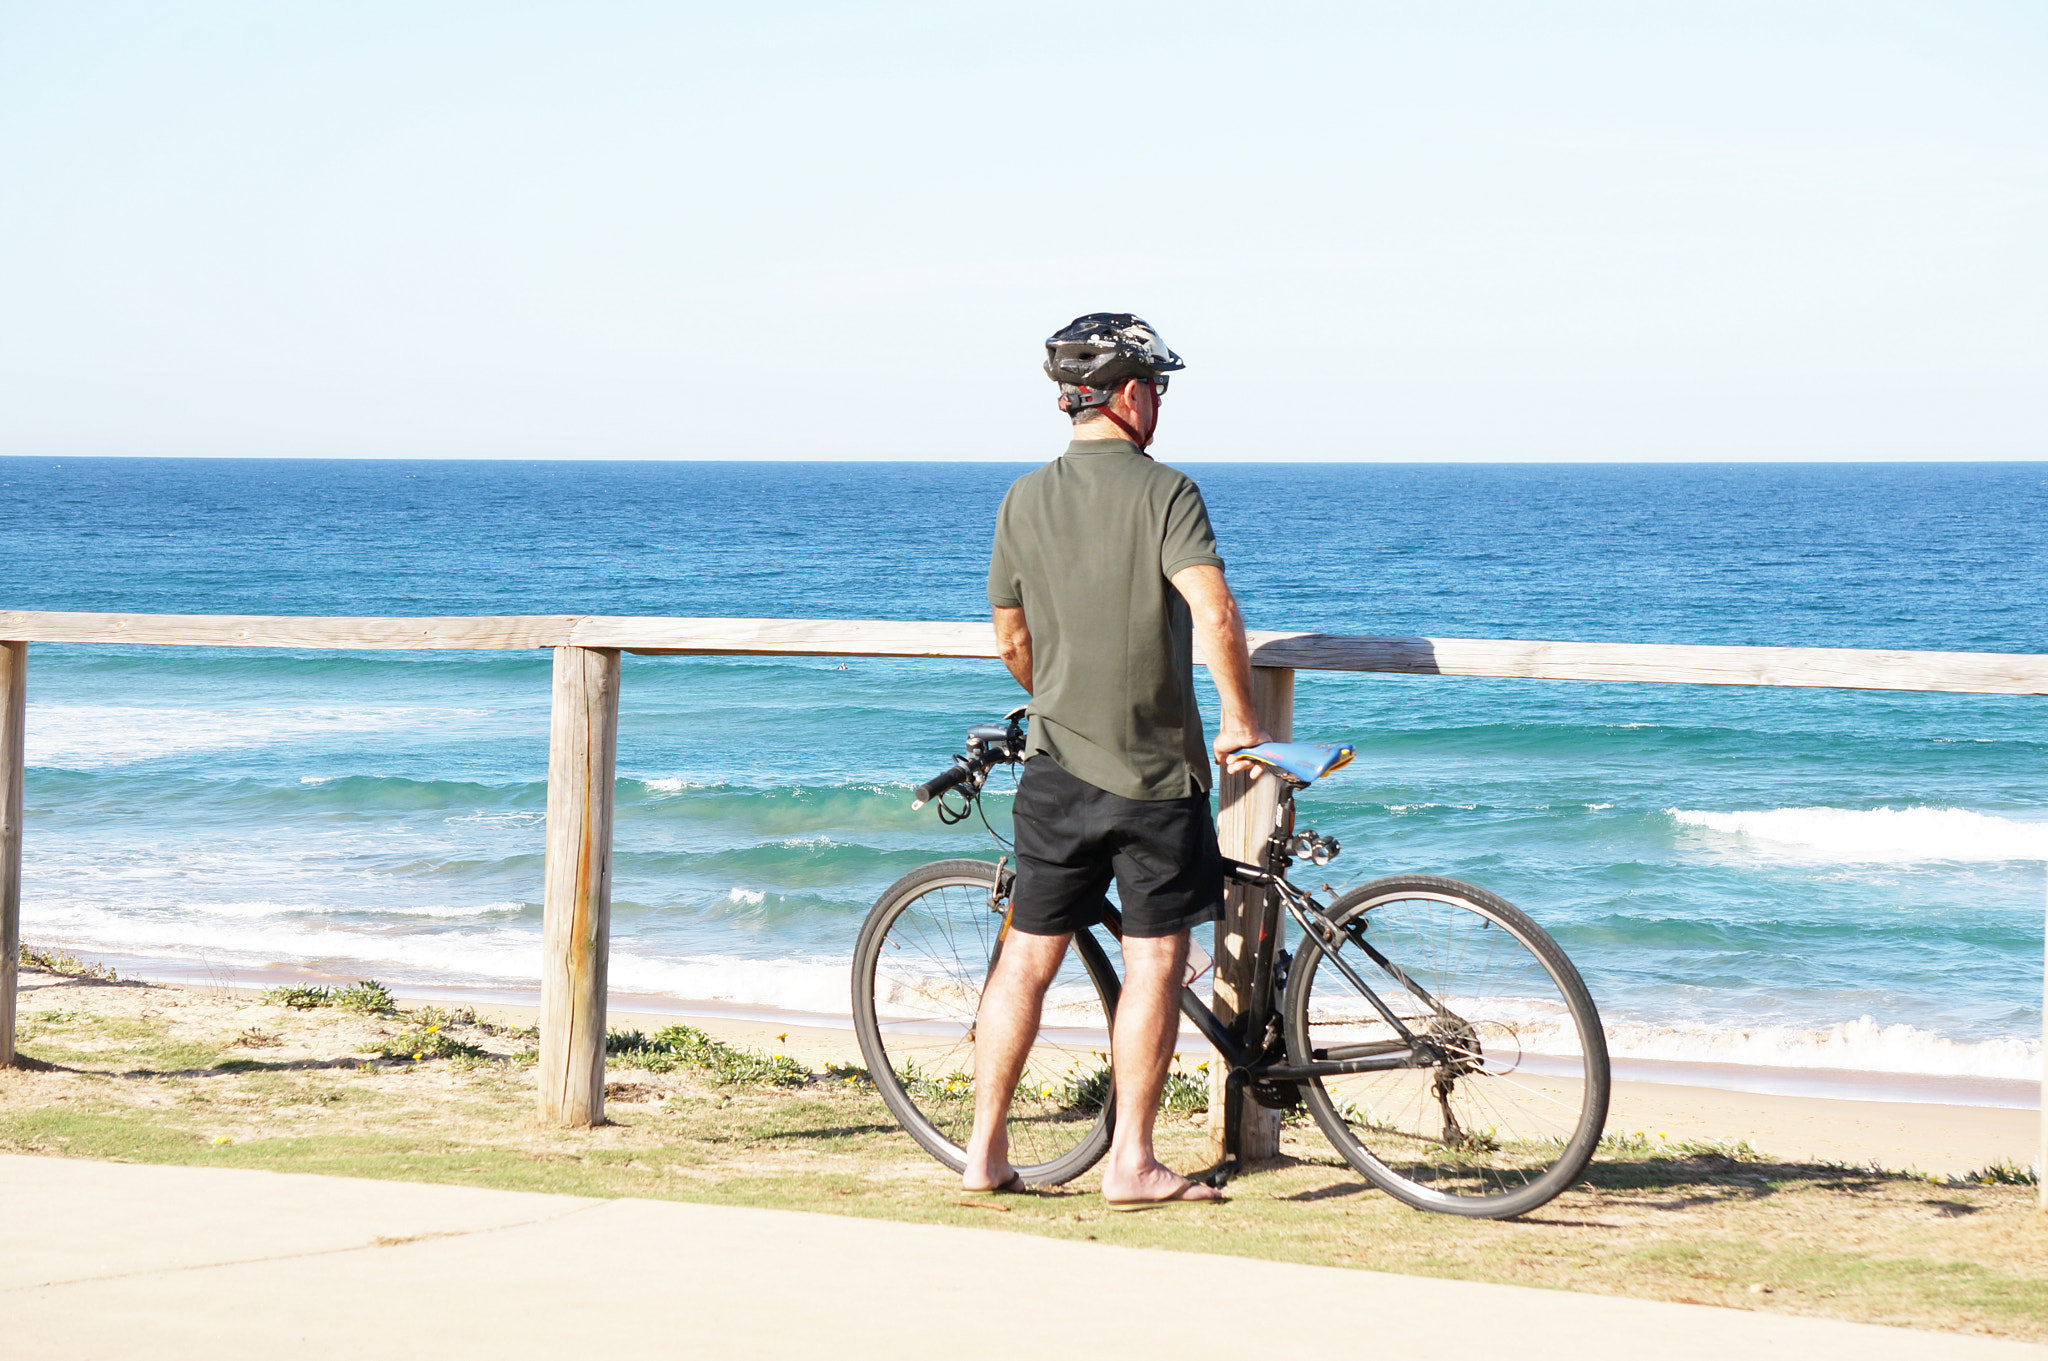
(923, 957)
(1513, 1109)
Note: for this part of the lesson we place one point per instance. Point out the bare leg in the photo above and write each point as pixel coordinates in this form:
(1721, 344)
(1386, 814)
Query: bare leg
(1003, 1031)
(1147, 1021)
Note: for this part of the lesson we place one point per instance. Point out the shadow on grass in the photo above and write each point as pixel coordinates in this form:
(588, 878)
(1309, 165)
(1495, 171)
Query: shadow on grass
(835, 1132)
(1725, 1174)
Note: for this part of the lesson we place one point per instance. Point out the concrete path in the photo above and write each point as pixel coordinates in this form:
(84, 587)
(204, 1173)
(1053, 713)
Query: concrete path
(109, 1260)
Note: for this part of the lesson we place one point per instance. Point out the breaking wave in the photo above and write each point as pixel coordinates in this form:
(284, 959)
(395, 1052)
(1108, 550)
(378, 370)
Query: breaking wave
(1914, 835)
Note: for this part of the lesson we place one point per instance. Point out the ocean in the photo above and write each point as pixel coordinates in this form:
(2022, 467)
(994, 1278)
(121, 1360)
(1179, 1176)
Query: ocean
(1756, 879)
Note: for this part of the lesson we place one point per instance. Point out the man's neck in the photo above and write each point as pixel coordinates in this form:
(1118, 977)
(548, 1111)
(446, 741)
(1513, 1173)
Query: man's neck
(1100, 429)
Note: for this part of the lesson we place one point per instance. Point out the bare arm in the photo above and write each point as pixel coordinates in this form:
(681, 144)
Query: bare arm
(1013, 641)
(1219, 630)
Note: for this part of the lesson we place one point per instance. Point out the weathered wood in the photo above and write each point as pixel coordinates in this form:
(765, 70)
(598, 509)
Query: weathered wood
(258, 630)
(1997, 673)
(1243, 984)
(576, 908)
(788, 637)
(1994, 673)
(13, 765)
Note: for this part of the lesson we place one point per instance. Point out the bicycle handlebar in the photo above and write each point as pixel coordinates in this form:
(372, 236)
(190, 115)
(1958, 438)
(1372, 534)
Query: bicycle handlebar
(957, 773)
(987, 744)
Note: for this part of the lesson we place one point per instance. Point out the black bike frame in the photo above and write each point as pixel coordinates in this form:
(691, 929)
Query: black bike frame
(1409, 1052)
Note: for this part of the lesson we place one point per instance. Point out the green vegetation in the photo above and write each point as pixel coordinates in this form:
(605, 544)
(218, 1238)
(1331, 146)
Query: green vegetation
(1187, 1093)
(2004, 1174)
(365, 995)
(1660, 1146)
(57, 961)
(419, 1042)
(685, 1046)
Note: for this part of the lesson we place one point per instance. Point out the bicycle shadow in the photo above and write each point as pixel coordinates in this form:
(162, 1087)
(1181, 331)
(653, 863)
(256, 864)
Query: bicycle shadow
(1667, 1185)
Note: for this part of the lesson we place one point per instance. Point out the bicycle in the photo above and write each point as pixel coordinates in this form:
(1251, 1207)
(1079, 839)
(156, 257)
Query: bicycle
(1439, 1037)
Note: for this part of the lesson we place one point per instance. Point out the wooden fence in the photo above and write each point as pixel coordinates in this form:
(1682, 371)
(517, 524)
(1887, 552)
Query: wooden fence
(583, 743)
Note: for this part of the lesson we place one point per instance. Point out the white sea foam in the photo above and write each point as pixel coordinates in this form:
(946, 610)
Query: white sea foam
(1861, 1045)
(87, 736)
(1870, 836)
(527, 817)
(746, 897)
(267, 934)
(673, 785)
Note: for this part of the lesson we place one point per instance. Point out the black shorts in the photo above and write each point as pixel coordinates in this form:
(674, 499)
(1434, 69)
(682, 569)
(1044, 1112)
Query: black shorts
(1073, 837)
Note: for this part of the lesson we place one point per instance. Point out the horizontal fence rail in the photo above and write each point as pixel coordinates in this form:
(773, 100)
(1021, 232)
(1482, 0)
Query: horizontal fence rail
(1984, 673)
(576, 907)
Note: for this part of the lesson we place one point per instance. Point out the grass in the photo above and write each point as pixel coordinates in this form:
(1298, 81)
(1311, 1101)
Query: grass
(421, 1042)
(365, 995)
(685, 1046)
(59, 962)
(695, 1118)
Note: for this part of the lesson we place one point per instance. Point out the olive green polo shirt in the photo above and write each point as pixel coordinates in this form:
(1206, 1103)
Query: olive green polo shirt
(1086, 547)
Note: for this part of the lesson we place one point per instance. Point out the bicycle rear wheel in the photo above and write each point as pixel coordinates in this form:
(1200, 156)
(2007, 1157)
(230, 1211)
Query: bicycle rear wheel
(1512, 1114)
(924, 954)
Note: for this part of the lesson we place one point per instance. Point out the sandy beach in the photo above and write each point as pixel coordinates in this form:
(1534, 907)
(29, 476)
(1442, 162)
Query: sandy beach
(1915, 1132)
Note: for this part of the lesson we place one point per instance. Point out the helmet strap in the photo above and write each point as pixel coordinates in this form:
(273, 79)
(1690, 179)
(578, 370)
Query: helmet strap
(1124, 426)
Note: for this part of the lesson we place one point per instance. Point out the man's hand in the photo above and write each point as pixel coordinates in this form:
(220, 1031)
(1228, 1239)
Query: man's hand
(1231, 739)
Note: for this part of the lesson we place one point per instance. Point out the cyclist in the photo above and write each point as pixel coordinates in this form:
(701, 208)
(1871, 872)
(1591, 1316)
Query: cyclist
(1103, 573)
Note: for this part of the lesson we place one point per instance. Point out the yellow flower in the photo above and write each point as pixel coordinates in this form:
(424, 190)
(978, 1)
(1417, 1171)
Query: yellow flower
(220, 1139)
(417, 1057)
(433, 1030)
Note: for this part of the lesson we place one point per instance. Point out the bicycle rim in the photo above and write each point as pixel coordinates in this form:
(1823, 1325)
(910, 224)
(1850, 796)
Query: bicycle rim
(1514, 1113)
(919, 968)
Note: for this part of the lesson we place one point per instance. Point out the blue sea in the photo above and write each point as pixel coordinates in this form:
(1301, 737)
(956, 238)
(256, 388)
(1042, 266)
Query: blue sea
(1789, 879)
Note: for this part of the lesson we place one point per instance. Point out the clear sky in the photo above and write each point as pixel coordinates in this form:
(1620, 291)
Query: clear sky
(1628, 231)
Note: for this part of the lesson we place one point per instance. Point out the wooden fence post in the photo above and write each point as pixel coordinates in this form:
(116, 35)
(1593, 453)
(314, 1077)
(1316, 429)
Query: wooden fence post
(1244, 820)
(583, 744)
(13, 764)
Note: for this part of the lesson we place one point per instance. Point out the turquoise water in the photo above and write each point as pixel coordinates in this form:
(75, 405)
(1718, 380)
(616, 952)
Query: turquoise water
(1768, 877)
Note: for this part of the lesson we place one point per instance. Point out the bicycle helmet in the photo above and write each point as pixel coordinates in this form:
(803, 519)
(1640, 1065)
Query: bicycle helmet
(1092, 356)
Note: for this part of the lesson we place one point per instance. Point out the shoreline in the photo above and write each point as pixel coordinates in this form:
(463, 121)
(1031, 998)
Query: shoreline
(832, 1036)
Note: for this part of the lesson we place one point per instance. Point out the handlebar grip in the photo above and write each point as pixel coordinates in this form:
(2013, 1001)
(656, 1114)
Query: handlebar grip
(957, 773)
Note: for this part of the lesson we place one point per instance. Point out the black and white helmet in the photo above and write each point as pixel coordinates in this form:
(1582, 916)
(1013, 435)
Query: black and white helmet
(1092, 356)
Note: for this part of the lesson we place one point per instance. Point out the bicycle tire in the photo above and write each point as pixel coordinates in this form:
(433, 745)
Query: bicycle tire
(914, 1014)
(1515, 1114)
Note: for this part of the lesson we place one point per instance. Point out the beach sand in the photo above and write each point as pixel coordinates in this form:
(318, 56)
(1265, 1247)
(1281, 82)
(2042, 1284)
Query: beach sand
(1942, 1138)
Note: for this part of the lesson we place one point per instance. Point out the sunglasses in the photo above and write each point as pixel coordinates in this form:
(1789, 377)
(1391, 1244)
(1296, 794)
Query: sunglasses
(1159, 385)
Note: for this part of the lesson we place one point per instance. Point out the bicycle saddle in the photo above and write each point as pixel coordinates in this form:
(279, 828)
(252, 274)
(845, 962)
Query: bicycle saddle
(1299, 763)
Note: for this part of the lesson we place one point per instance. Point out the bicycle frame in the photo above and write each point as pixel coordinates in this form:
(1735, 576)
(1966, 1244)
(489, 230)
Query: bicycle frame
(1244, 1068)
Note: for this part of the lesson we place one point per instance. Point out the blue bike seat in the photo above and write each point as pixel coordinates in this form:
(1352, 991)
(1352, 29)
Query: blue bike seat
(1299, 763)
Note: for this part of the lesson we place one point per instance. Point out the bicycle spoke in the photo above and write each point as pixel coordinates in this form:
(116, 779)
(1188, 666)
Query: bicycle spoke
(921, 969)
(1475, 1133)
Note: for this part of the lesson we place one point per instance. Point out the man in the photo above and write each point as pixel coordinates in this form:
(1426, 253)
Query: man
(1103, 573)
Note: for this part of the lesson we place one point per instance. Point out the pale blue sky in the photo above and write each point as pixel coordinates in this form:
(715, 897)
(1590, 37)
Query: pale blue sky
(1627, 231)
